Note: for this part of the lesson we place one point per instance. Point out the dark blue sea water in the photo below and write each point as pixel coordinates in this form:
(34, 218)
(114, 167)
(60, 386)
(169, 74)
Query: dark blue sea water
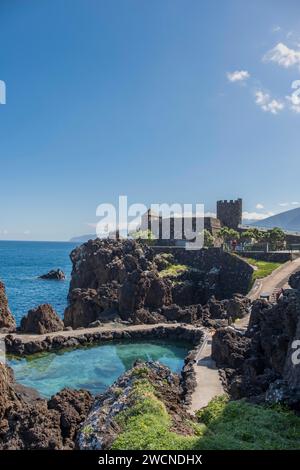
(20, 265)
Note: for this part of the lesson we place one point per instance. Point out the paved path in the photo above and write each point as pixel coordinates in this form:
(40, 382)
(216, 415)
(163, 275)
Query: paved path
(207, 377)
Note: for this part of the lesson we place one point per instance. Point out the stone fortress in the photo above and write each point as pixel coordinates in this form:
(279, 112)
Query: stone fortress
(229, 214)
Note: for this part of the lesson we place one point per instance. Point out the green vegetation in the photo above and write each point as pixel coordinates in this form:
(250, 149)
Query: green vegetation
(264, 268)
(228, 234)
(146, 424)
(173, 270)
(87, 430)
(144, 235)
(221, 425)
(208, 240)
(140, 371)
(274, 237)
(243, 426)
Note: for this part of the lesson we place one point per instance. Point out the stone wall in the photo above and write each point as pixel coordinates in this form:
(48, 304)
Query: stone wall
(17, 346)
(274, 257)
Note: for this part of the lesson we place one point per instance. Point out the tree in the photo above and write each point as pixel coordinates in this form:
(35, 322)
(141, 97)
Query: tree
(228, 234)
(275, 238)
(143, 235)
(248, 236)
(209, 240)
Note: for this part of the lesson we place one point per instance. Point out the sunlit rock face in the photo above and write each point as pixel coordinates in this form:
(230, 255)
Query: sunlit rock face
(41, 320)
(29, 422)
(7, 320)
(130, 281)
(264, 362)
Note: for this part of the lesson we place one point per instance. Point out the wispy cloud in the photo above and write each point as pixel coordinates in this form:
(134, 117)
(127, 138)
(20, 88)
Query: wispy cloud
(287, 204)
(259, 206)
(256, 215)
(276, 29)
(283, 55)
(267, 103)
(210, 214)
(238, 76)
(294, 102)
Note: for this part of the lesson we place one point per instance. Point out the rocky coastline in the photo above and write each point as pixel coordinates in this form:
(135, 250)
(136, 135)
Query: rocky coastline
(129, 281)
(125, 291)
(258, 363)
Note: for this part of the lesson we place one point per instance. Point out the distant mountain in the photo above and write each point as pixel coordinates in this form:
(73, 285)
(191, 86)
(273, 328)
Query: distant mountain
(289, 220)
(83, 238)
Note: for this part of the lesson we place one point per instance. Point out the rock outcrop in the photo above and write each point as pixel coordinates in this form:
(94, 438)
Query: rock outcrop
(73, 407)
(54, 275)
(294, 280)
(126, 280)
(41, 320)
(262, 362)
(27, 422)
(102, 427)
(7, 320)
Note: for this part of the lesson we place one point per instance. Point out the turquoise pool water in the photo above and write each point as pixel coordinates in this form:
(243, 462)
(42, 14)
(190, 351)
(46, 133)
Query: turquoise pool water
(94, 368)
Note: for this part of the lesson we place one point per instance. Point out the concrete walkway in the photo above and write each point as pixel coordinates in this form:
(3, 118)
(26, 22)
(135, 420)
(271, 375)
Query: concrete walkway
(208, 380)
(109, 327)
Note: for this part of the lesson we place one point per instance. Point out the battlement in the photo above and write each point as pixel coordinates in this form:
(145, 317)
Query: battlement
(230, 212)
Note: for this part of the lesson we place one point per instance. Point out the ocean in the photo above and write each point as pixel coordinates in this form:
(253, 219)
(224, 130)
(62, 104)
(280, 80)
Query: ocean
(20, 265)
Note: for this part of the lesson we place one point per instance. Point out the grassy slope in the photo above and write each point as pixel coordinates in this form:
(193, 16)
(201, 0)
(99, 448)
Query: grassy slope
(222, 425)
(264, 268)
(173, 270)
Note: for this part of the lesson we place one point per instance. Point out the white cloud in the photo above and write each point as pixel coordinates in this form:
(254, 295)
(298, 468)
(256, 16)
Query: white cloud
(210, 214)
(294, 102)
(259, 206)
(256, 215)
(238, 76)
(268, 104)
(286, 204)
(283, 56)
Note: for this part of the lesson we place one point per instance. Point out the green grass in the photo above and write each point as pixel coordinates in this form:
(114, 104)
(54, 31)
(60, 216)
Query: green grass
(221, 425)
(173, 270)
(264, 268)
(146, 425)
(241, 425)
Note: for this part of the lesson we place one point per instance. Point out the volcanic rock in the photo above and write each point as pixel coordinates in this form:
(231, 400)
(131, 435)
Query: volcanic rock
(6, 318)
(73, 407)
(41, 320)
(56, 275)
(123, 279)
(27, 422)
(101, 427)
(294, 280)
(261, 362)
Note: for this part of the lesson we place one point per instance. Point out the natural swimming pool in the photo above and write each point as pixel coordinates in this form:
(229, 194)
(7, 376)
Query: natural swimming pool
(93, 368)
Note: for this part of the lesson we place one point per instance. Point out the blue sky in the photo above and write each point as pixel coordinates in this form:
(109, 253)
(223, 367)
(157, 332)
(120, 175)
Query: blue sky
(164, 101)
